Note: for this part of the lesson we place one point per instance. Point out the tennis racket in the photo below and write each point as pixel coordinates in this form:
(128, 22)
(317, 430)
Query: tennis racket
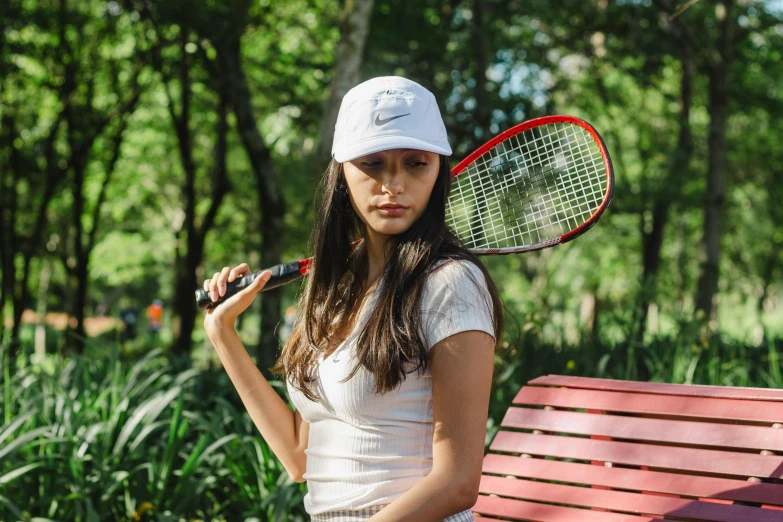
(539, 184)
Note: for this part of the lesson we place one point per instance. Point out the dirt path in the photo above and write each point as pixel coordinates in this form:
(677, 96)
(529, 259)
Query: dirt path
(59, 320)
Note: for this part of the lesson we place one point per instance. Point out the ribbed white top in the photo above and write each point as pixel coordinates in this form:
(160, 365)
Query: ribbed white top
(367, 449)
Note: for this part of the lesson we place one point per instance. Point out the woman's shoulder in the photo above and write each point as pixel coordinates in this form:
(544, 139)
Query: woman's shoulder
(457, 275)
(456, 298)
(455, 269)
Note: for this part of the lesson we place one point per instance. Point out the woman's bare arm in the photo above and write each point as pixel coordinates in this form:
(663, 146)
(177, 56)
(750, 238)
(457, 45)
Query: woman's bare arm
(283, 429)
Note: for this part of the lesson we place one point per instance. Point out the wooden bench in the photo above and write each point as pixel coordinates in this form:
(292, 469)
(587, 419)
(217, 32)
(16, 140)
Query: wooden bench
(600, 450)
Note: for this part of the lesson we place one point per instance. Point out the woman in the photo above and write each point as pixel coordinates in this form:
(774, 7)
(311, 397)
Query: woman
(390, 361)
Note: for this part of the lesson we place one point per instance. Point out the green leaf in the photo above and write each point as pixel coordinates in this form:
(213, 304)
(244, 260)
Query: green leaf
(18, 421)
(149, 411)
(12, 507)
(144, 433)
(189, 466)
(8, 477)
(24, 439)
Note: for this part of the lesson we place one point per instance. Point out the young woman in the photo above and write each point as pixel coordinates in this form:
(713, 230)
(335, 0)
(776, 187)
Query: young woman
(390, 361)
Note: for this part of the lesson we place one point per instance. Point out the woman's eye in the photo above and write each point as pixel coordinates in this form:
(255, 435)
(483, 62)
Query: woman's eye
(370, 164)
(419, 164)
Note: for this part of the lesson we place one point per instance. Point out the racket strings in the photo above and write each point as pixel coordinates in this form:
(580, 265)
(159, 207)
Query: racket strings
(529, 189)
(548, 203)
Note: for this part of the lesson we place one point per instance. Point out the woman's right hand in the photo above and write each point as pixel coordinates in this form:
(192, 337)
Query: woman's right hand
(225, 315)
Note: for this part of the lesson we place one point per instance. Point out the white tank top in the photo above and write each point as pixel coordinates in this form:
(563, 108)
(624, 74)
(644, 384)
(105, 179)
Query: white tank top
(367, 449)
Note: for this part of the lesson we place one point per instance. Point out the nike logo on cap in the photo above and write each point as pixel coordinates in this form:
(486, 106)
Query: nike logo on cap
(379, 121)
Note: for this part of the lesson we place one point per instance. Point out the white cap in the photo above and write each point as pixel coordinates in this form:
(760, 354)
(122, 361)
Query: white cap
(385, 113)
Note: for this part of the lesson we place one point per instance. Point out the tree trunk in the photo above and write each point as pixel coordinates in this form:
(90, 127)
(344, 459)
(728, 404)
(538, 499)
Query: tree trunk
(595, 327)
(187, 265)
(651, 259)
(43, 295)
(183, 305)
(271, 201)
(653, 241)
(8, 245)
(767, 280)
(483, 114)
(716, 165)
(185, 283)
(354, 27)
(77, 333)
(6, 251)
(190, 236)
(682, 263)
(587, 312)
(10, 239)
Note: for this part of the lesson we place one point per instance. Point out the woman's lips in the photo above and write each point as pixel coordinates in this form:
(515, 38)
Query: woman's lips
(392, 209)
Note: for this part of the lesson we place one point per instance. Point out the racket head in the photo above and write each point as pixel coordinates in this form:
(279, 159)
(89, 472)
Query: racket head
(540, 183)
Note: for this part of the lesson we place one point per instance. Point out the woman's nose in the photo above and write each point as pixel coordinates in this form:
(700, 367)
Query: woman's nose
(392, 181)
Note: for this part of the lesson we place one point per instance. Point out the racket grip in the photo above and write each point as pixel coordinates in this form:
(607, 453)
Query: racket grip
(281, 274)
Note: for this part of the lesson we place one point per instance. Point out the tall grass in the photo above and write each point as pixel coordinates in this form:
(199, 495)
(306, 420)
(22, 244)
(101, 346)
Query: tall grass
(93, 441)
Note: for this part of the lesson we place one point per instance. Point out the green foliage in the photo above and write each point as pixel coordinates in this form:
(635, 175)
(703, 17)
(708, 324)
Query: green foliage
(102, 439)
(612, 63)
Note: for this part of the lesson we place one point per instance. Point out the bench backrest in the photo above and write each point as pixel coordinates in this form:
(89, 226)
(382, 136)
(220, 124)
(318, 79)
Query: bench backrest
(584, 449)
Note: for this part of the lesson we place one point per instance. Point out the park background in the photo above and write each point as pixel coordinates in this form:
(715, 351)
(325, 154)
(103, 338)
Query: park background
(145, 144)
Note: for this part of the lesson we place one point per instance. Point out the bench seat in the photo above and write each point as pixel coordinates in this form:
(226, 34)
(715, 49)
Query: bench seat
(585, 449)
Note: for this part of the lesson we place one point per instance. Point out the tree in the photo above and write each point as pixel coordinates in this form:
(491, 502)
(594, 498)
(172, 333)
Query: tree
(354, 26)
(717, 58)
(174, 44)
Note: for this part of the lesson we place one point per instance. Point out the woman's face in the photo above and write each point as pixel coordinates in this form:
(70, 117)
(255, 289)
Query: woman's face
(390, 189)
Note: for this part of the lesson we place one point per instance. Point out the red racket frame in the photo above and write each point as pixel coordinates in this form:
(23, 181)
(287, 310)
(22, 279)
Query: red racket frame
(522, 127)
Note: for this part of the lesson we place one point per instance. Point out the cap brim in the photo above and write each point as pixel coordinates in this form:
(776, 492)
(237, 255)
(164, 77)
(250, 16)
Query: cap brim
(357, 150)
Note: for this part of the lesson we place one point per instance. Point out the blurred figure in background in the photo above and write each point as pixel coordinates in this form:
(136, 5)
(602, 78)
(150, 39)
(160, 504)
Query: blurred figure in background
(154, 316)
(128, 317)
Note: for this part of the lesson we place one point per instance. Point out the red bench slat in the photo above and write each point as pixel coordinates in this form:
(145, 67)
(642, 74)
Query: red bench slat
(651, 430)
(634, 479)
(625, 502)
(691, 390)
(534, 512)
(734, 410)
(635, 454)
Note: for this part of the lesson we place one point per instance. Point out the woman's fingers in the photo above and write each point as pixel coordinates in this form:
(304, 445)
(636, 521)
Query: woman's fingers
(217, 285)
(222, 280)
(226, 314)
(238, 271)
(213, 291)
(265, 276)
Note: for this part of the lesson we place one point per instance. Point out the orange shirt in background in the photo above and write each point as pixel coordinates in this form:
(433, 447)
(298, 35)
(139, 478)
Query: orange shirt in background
(154, 314)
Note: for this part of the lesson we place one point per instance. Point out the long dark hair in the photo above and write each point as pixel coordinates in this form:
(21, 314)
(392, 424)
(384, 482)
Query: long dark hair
(389, 341)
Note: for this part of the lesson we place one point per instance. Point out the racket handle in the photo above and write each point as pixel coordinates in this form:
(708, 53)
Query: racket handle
(281, 274)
